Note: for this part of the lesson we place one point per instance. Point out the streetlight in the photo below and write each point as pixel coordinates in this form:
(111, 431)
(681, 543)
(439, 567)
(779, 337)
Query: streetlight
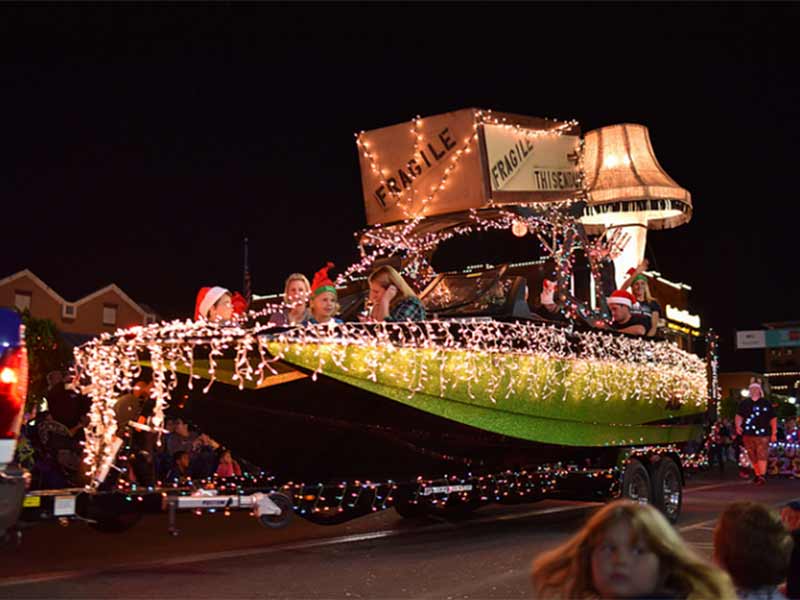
(745, 393)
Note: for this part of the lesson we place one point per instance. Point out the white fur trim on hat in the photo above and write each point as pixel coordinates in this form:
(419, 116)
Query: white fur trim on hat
(214, 294)
(619, 300)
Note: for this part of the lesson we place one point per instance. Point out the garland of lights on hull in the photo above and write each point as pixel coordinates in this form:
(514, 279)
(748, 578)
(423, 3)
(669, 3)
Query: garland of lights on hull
(108, 366)
(433, 355)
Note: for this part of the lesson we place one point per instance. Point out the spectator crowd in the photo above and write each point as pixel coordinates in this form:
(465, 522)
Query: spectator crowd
(630, 550)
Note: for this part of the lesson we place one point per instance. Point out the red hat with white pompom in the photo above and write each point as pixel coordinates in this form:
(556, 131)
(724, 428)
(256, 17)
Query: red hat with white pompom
(623, 297)
(206, 298)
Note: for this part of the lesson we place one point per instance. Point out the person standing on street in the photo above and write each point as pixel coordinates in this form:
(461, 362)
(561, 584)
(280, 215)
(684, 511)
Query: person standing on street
(757, 424)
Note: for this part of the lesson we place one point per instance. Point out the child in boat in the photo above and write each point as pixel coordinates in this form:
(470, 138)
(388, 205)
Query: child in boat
(324, 299)
(218, 304)
(227, 466)
(627, 550)
(391, 297)
(296, 292)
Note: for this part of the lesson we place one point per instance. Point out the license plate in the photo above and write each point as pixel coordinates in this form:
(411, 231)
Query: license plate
(32, 502)
(64, 506)
(446, 489)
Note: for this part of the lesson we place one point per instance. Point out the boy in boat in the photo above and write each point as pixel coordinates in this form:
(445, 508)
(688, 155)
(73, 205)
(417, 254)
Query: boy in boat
(620, 303)
(218, 304)
(324, 299)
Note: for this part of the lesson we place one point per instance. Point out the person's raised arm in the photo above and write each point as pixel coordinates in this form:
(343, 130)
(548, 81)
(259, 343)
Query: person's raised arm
(641, 268)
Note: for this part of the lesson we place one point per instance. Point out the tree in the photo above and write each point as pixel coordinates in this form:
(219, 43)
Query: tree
(47, 352)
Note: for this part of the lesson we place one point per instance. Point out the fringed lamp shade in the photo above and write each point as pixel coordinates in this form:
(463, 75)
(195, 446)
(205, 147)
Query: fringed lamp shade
(625, 183)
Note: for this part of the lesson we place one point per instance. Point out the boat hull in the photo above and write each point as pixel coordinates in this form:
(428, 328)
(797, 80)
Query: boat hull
(334, 428)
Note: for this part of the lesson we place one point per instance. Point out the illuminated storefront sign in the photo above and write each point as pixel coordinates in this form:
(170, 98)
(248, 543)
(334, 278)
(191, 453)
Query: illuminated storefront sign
(683, 316)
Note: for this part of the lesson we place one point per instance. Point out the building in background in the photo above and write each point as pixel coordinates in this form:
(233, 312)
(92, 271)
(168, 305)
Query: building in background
(102, 311)
(734, 385)
(782, 363)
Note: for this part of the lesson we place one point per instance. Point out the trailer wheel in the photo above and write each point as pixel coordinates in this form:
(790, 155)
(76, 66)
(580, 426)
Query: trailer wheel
(456, 511)
(406, 508)
(636, 483)
(115, 523)
(287, 511)
(667, 488)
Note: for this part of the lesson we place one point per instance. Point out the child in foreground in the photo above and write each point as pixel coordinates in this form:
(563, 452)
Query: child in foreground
(627, 550)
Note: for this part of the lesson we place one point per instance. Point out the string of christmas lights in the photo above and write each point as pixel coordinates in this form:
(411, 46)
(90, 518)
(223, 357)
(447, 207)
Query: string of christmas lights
(502, 361)
(406, 199)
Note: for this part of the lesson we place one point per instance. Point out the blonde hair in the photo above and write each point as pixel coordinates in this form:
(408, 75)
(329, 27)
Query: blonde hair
(565, 572)
(648, 297)
(290, 279)
(386, 276)
(314, 299)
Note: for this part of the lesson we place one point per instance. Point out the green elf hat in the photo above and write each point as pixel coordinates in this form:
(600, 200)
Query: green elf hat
(639, 277)
(322, 283)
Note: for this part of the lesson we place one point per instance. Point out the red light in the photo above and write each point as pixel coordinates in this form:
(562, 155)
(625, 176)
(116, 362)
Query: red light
(8, 376)
(13, 387)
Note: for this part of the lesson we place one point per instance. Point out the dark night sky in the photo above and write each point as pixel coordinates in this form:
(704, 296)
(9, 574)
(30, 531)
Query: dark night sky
(140, 144)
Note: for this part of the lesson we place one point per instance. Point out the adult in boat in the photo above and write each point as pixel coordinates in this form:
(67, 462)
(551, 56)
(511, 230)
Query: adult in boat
(547, 308)
(647, 306)
(296, 292)
(218, 304)
(392, 298)
(620, 303)
(324, 298)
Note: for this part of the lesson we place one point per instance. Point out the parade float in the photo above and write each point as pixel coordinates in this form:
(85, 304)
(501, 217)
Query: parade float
(485, 401)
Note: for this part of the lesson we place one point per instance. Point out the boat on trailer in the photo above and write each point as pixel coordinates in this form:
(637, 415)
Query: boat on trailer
(485, 401)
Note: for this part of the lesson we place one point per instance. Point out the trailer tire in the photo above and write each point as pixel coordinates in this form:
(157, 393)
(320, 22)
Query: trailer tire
(636, 483)
(667, 488)
(408, 509)
(287, 512)
(456, 511)
(321, 518)
(115, 523)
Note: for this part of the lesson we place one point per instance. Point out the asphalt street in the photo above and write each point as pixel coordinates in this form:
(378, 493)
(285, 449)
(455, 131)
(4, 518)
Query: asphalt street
(378, 556)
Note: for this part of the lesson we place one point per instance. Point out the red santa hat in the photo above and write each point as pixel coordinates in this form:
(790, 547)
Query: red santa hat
(623, 297)
(755, 384)
(321, 282)
(206, 298)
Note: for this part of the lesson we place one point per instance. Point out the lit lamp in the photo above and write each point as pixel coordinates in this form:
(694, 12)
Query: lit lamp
(627, 188)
